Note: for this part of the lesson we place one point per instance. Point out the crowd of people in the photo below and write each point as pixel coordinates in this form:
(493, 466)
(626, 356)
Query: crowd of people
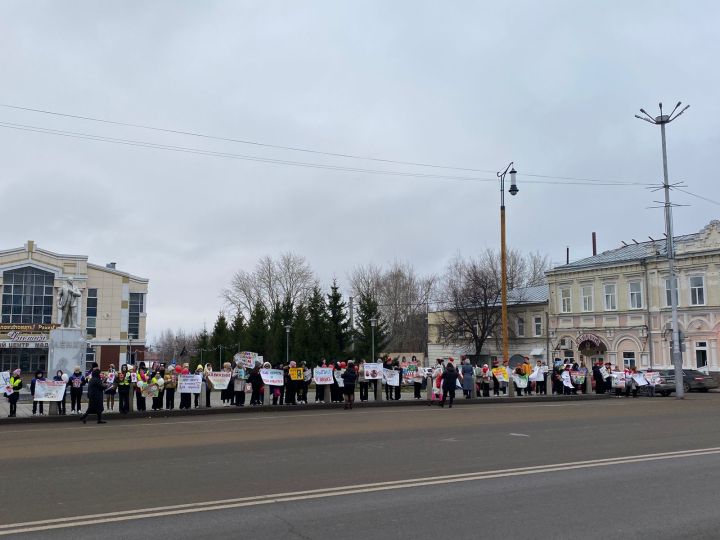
(103, 387)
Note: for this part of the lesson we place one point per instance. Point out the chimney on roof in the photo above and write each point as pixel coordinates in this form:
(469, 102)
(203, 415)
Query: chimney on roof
(594, 241)
(111, 265)
(567, 255)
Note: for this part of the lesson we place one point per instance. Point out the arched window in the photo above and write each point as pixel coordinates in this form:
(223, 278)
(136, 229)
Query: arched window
(27, 296)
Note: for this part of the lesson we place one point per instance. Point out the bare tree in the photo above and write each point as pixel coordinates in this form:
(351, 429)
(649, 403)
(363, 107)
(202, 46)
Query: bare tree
(537, 265)
(170, 345)
(468, 296)
(402, 298)
(270, 283)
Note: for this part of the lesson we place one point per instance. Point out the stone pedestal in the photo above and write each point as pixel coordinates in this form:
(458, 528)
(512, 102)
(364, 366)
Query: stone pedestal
(66, 350)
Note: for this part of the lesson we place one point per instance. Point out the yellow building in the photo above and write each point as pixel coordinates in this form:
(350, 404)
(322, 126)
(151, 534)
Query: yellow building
(111, 310)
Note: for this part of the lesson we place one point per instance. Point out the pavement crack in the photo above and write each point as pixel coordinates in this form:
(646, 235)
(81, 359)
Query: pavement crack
(291, 528)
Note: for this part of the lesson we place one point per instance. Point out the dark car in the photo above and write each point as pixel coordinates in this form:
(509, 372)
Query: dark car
(693, 380)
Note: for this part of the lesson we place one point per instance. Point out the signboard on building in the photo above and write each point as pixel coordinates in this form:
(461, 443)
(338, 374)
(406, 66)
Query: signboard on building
(25, 336)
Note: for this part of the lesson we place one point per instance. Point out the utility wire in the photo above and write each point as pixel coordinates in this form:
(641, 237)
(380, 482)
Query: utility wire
(189, 150)
(308, 150)
(697, 196)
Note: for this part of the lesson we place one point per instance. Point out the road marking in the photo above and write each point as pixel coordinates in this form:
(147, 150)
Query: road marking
(518, 435)
(224, 504)
(272, 416)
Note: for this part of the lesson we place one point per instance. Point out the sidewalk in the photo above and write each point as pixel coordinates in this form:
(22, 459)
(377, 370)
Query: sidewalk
(24, 410)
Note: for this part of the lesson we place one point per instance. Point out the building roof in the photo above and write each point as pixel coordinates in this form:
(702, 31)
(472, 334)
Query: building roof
(529, 295)
(639, 251)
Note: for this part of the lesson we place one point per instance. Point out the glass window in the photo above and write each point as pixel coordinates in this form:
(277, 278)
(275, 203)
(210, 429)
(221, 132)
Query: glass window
(697, 291)
(565, 301)
(610, 297)
(27, 296)
(520, 327)
(91, 313)
(587, 297)
(636, 300)
(135, 309)
(89, 358)
(629, 359)
(538, 325)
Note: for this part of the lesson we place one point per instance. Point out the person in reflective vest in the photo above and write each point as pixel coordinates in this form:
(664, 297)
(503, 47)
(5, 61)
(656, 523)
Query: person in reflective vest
(12, 392)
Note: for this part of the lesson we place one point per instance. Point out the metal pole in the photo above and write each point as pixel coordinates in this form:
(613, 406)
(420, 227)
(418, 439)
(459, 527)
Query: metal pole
(352, 325)
(676, 355)
(503, 295)
(287, 346)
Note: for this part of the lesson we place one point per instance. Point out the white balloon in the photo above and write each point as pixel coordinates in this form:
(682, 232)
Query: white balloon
(64, 378)
(160, 381)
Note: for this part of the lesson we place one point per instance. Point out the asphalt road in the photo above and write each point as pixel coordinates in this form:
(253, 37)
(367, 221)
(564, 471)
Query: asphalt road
(601, 469)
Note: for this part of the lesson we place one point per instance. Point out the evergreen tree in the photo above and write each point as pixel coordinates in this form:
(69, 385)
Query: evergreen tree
(300, 337)
(282, 316)
(257, 330)
(338, 325)
(367, 309)
(238, 331)
(318, 327)
(203, 346)
(220, 341)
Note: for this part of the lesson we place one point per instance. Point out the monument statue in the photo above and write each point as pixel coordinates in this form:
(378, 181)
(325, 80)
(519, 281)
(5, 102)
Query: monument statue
(68, 305)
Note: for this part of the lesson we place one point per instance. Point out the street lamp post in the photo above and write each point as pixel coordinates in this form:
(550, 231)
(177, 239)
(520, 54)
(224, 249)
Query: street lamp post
(287, 344)
(373, 322)
(661, 121)
(503, 267)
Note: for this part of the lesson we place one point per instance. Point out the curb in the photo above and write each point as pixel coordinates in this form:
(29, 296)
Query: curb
(269, 409)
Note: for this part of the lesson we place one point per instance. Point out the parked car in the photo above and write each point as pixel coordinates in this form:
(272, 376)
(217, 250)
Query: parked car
(693, 380)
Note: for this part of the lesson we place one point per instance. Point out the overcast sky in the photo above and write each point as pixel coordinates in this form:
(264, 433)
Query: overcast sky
(551, 85)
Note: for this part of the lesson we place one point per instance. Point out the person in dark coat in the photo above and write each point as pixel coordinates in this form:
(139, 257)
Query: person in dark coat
(598, 378)
(95, 394)
(256, 383)
(349, 378)
(60, 404)
(449, 380)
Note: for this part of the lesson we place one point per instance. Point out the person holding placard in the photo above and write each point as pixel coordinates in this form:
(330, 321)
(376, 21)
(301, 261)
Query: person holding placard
(123, 390)
(449, 382)
(239, 385)
(76, 381)
(256, 383)
(142, 381)
(61, 377)
(349, 378)
(208, 384)
(198, 371)
(39, 377)
(12, 392)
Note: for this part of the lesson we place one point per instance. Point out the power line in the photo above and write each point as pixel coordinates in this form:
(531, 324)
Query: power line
(309, 150)
(199, 151)
(697, 196)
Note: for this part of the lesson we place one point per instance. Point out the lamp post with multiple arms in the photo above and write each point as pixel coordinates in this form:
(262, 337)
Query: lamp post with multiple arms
(661, 121)
(378, 391)
(503, 266)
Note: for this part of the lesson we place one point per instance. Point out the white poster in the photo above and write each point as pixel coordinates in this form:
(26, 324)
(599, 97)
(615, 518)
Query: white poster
(373, 370)
(273, 377)
(604, 373)
(219, 379)
(246, 359)
(618, 379)
(5, 382)
(538, 375)
(323, 375)
(652, 377)
(391, 377)
(339, 379)
(49, 390)
(639, 379)
(189, 384)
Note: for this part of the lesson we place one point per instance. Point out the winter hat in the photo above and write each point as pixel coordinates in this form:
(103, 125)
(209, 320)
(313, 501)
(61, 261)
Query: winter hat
(17, 372)
(292, 363)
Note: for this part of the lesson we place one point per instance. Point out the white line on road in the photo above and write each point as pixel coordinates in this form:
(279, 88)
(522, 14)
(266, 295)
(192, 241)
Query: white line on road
(224, 504)
(518, 435)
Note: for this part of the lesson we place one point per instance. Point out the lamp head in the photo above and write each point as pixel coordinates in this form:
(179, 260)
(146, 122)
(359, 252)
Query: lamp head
(513, 186)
